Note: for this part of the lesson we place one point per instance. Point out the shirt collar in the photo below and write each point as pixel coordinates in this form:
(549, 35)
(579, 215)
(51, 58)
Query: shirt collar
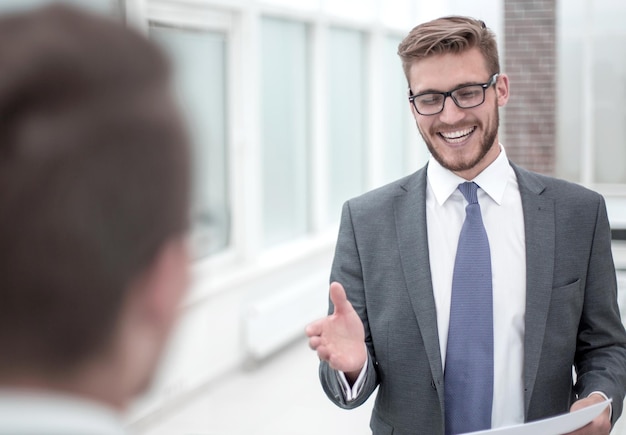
(493, 179)
(55, 413)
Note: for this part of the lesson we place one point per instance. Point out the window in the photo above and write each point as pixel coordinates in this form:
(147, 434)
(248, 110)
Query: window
(396, 115)
(285, 130)
(347, 99)
(592, 89)
(199, 59)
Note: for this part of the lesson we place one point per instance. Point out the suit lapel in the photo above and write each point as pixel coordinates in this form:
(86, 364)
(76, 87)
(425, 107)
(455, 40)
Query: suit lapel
(410, 216)
(539, 224)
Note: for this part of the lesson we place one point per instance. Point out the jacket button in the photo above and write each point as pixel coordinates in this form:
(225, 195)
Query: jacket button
(432, 384)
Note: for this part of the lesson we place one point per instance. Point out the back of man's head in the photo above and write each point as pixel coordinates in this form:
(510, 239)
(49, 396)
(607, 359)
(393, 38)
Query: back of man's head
(94, 180)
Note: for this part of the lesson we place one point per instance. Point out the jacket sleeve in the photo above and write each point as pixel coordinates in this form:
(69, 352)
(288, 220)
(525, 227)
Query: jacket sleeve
(347, 271)
(600, 360)
(335, 391)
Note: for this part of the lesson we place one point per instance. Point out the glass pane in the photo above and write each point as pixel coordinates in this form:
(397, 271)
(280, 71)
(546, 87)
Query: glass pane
(569, 96)
(284, 79)
(398, 13)
(346, 117)
(608, 83)
(295, 4)
(362, 10)
(609, 90)
(199, 59)
(396, 113)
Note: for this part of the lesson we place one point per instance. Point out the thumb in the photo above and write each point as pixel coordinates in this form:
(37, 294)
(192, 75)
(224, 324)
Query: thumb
(339, 299)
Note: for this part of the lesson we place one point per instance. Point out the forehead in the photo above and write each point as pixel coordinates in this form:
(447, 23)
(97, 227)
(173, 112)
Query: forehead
(443, 72)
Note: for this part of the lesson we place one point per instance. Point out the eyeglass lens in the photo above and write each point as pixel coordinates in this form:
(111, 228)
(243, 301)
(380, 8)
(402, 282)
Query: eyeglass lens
(464, 97)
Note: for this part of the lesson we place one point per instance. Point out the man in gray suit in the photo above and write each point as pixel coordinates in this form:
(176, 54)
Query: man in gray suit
(94, 212)
(554, 304)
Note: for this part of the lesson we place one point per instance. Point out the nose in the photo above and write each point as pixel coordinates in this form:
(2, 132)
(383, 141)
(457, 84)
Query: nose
(451, 113)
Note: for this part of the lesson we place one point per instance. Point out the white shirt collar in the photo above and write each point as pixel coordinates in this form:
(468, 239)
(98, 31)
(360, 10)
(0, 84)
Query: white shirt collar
(35, 412)
(493, 179)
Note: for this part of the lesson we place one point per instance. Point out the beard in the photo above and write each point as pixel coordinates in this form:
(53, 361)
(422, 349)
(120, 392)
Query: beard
(486, 142)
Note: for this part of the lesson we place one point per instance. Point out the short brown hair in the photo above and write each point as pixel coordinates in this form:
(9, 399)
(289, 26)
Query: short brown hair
(94, 179)
(452, 34)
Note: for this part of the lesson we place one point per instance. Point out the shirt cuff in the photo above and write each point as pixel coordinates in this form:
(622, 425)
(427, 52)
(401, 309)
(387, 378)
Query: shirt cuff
(352, 393)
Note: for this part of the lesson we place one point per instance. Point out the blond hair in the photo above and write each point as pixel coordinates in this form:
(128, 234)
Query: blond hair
(452, 34)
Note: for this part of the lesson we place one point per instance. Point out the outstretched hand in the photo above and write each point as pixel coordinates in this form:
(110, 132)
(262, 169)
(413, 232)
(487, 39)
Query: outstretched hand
(339, 338)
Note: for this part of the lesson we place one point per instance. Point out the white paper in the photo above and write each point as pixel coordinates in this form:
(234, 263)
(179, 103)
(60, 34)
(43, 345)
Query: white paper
(554, 425)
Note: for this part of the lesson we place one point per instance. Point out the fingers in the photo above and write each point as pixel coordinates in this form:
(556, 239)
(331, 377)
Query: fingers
(323, 353)
(599, 425)
(314, 332)
(315, 342)
(342, 306)
(338, 336)
(315, 328)
(339, 299)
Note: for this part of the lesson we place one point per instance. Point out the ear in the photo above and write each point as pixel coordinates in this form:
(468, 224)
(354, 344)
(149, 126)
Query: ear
(161, 287)
(148, 316)
(502, 89)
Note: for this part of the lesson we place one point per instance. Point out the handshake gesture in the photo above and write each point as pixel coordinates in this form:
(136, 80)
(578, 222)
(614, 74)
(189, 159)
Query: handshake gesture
(339, 338)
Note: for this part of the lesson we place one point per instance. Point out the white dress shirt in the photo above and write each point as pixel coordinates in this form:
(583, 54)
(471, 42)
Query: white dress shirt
(501, 208)
(27, 412)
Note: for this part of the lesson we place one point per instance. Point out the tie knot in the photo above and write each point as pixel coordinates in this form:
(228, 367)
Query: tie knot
(469, 189)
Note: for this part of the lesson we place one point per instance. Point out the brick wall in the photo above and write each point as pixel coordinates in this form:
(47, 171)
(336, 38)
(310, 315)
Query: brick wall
(529, 53)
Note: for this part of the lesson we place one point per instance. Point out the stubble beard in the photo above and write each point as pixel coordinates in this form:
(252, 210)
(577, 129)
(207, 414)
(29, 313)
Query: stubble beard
(488, 139)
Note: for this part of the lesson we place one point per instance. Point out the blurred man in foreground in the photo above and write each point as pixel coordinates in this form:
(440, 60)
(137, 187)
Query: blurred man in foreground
(94, 192)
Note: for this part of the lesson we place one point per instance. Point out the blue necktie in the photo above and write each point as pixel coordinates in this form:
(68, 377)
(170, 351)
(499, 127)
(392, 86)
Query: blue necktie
(468, 378)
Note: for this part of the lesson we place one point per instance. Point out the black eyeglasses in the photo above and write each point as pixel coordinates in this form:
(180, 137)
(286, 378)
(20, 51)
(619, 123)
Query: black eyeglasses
(466, 97)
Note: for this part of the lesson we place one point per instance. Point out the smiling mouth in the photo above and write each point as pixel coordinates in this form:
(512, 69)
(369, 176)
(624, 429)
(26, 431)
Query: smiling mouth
(457, 136)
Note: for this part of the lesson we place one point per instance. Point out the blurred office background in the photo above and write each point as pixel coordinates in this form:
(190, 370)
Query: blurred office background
(296, 106)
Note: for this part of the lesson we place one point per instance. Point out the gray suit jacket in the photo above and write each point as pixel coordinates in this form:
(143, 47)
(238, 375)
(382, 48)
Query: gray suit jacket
(572, 316)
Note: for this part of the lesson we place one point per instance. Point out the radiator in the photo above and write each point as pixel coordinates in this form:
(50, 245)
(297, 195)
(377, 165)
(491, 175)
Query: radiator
(280, 318)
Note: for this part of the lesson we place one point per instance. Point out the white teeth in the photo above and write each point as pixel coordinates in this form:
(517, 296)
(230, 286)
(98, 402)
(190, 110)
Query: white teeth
(457, 134)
